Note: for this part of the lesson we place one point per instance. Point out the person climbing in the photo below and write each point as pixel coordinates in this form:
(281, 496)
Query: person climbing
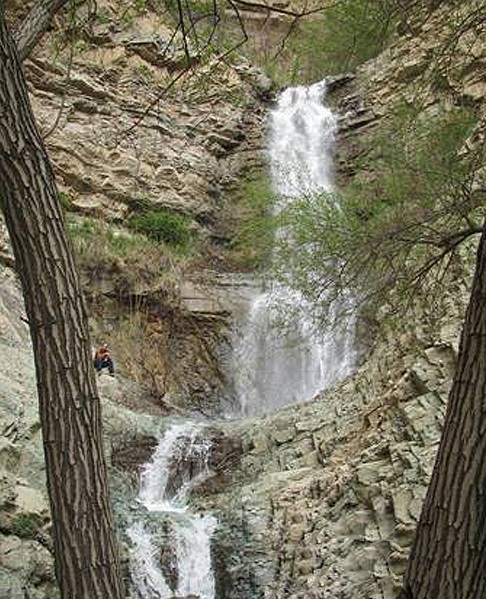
(102, 359)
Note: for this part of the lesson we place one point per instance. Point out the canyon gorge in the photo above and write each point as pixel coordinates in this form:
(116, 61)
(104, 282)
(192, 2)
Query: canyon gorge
(247, 460)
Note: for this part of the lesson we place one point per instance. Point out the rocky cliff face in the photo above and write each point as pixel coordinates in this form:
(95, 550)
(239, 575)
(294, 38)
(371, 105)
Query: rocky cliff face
(129, 130)
(319, 500)
(429, 63)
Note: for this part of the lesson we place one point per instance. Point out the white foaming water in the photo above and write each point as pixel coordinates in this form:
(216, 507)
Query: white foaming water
(181, 445)
(278, 365)
(194, 557)
(300, 141)
(145, 571)
(180, 462)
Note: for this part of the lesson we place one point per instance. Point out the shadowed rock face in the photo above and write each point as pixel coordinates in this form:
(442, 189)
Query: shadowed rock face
(133, 455)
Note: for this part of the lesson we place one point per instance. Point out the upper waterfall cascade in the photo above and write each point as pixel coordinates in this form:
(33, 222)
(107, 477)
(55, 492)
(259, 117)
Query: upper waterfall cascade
(278, 365)
(301, 136)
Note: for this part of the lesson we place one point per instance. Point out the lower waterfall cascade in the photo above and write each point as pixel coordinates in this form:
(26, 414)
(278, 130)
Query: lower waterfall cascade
(270, 371)
(165, 484)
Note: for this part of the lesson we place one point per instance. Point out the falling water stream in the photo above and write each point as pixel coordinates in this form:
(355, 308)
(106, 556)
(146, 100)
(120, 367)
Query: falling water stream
(180, 463)
(271, 369)
(281, 357)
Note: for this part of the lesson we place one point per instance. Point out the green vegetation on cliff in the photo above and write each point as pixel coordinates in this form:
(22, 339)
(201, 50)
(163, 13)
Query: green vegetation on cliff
(125, 258)
(252, 202)
(397, 227)
(163, 225)
(343, 35)
(347, 34)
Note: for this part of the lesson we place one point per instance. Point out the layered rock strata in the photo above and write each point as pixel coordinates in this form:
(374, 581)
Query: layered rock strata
(326, 496)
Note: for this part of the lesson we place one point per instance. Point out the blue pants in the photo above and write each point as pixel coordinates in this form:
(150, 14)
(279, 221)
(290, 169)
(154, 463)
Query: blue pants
(106, 363)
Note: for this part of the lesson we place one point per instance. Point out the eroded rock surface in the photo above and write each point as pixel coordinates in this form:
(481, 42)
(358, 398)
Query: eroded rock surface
(326, 496)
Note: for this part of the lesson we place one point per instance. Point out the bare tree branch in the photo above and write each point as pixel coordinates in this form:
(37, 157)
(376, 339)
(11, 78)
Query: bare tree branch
(221, 59)
(60, 112)
(35, 25)
(283, 11)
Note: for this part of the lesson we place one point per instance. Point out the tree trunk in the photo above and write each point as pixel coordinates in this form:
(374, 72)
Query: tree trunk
(35, 25)
(86, 562)
(448, 557)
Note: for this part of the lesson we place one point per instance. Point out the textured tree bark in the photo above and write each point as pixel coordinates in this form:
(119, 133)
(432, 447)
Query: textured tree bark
(448, 557)
(35, 25)
(85, 553)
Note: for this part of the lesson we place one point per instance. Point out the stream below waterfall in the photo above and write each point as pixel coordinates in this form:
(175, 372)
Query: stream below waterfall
(179, 463)
(170, 553)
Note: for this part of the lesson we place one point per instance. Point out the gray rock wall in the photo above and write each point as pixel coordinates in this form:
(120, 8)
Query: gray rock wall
(326, 496)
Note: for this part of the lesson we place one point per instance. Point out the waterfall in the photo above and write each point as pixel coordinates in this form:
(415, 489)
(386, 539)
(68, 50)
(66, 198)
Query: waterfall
(301, 136)
(273, 367)
(179, 463)
(277, 365)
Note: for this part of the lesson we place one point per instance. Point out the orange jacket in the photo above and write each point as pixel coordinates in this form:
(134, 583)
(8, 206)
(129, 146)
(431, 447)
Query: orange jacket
(102, 353)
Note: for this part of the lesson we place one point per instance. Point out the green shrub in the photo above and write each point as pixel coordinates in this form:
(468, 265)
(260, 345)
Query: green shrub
(82, 227)
(163, 226)
(26, 526)
(102, 15)
(126, 258)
